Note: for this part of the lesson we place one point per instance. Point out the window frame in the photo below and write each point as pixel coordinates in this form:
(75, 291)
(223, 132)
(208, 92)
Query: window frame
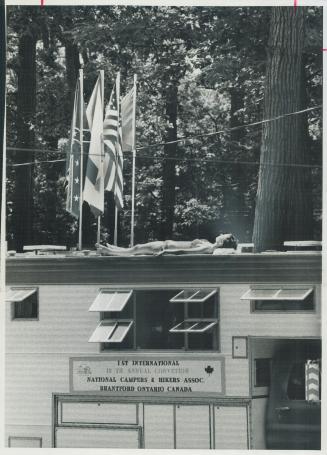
(209, 322)
(185, 348)
(13, 303)
(190, 299)
(115, 326)
(276, 296)
(102, 317)
(286, 287)
(102, 291)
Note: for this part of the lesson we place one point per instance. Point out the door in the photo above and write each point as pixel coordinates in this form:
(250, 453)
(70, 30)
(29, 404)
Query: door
(192, 427)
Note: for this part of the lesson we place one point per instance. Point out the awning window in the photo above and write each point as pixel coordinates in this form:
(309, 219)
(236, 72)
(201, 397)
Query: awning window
(294, 294)
(260, 294)
(110, 300)
(277, 294)
(193, 295)
(193, 326)
(110, 332)
(19, 295)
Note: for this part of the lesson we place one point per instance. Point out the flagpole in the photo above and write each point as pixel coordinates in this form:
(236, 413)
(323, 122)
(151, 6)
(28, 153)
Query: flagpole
(102, 99)
(116, 208)
(134, 159)
(116, 225)
(81, 126)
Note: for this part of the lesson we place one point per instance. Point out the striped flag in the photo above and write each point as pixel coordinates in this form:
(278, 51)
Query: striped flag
(127, 116)
(113, 155)
(312, 380)
(93, 186)
(73, 163)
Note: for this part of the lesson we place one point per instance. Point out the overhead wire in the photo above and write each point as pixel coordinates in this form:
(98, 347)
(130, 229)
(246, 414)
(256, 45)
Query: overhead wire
(189, 160)
(234, 128)
(31, 163)
(182, 139)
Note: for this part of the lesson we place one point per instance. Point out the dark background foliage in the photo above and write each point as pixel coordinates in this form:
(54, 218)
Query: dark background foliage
(200, 69)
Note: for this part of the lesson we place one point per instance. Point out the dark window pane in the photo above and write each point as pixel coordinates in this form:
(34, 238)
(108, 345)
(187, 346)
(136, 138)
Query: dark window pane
(206, 341)
(207, 309)
(262, 372)
(155, 316)
(195, 310)
(27, 309)
(296, 382)
(175, 341)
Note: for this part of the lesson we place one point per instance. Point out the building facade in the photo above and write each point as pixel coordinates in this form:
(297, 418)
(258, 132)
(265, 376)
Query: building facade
(154, 352)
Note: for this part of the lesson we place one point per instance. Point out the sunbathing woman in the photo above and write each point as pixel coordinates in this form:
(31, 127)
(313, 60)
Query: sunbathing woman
(157, 248)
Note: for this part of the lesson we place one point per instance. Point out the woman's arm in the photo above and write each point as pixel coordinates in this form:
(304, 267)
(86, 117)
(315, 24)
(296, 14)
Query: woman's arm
(201, 249)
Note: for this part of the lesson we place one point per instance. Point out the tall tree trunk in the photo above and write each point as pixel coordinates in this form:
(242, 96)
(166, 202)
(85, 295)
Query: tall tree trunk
(283, 206)
(26, 110)
(169, 169)
(72, 67)
(235, 188)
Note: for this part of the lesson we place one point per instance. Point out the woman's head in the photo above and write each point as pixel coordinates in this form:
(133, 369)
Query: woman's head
(226, 241)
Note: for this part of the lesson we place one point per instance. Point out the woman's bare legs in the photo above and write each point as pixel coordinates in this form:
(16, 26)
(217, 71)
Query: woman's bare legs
(150, 248)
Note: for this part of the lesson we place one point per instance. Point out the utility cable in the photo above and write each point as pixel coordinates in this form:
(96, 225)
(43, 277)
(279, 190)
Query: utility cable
(184, 138)
(187, 138)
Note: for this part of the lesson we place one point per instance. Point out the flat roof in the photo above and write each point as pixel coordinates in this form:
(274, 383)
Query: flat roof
(297, 266)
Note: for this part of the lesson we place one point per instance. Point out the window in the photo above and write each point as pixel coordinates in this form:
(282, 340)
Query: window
(155, 316)
(157, 319)
(115, 308)
(192, 327)
(24, 303)
(284, 298)
(110, 301)
(193, 295)
(199, 322)
(110, 332)
(262, 372)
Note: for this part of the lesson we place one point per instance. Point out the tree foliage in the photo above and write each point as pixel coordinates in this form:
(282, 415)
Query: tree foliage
(200, 70)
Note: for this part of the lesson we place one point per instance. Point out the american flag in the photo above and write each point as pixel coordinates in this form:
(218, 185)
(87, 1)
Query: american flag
(113, 154)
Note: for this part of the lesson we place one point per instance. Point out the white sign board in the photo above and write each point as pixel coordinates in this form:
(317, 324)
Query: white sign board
(147, 376)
